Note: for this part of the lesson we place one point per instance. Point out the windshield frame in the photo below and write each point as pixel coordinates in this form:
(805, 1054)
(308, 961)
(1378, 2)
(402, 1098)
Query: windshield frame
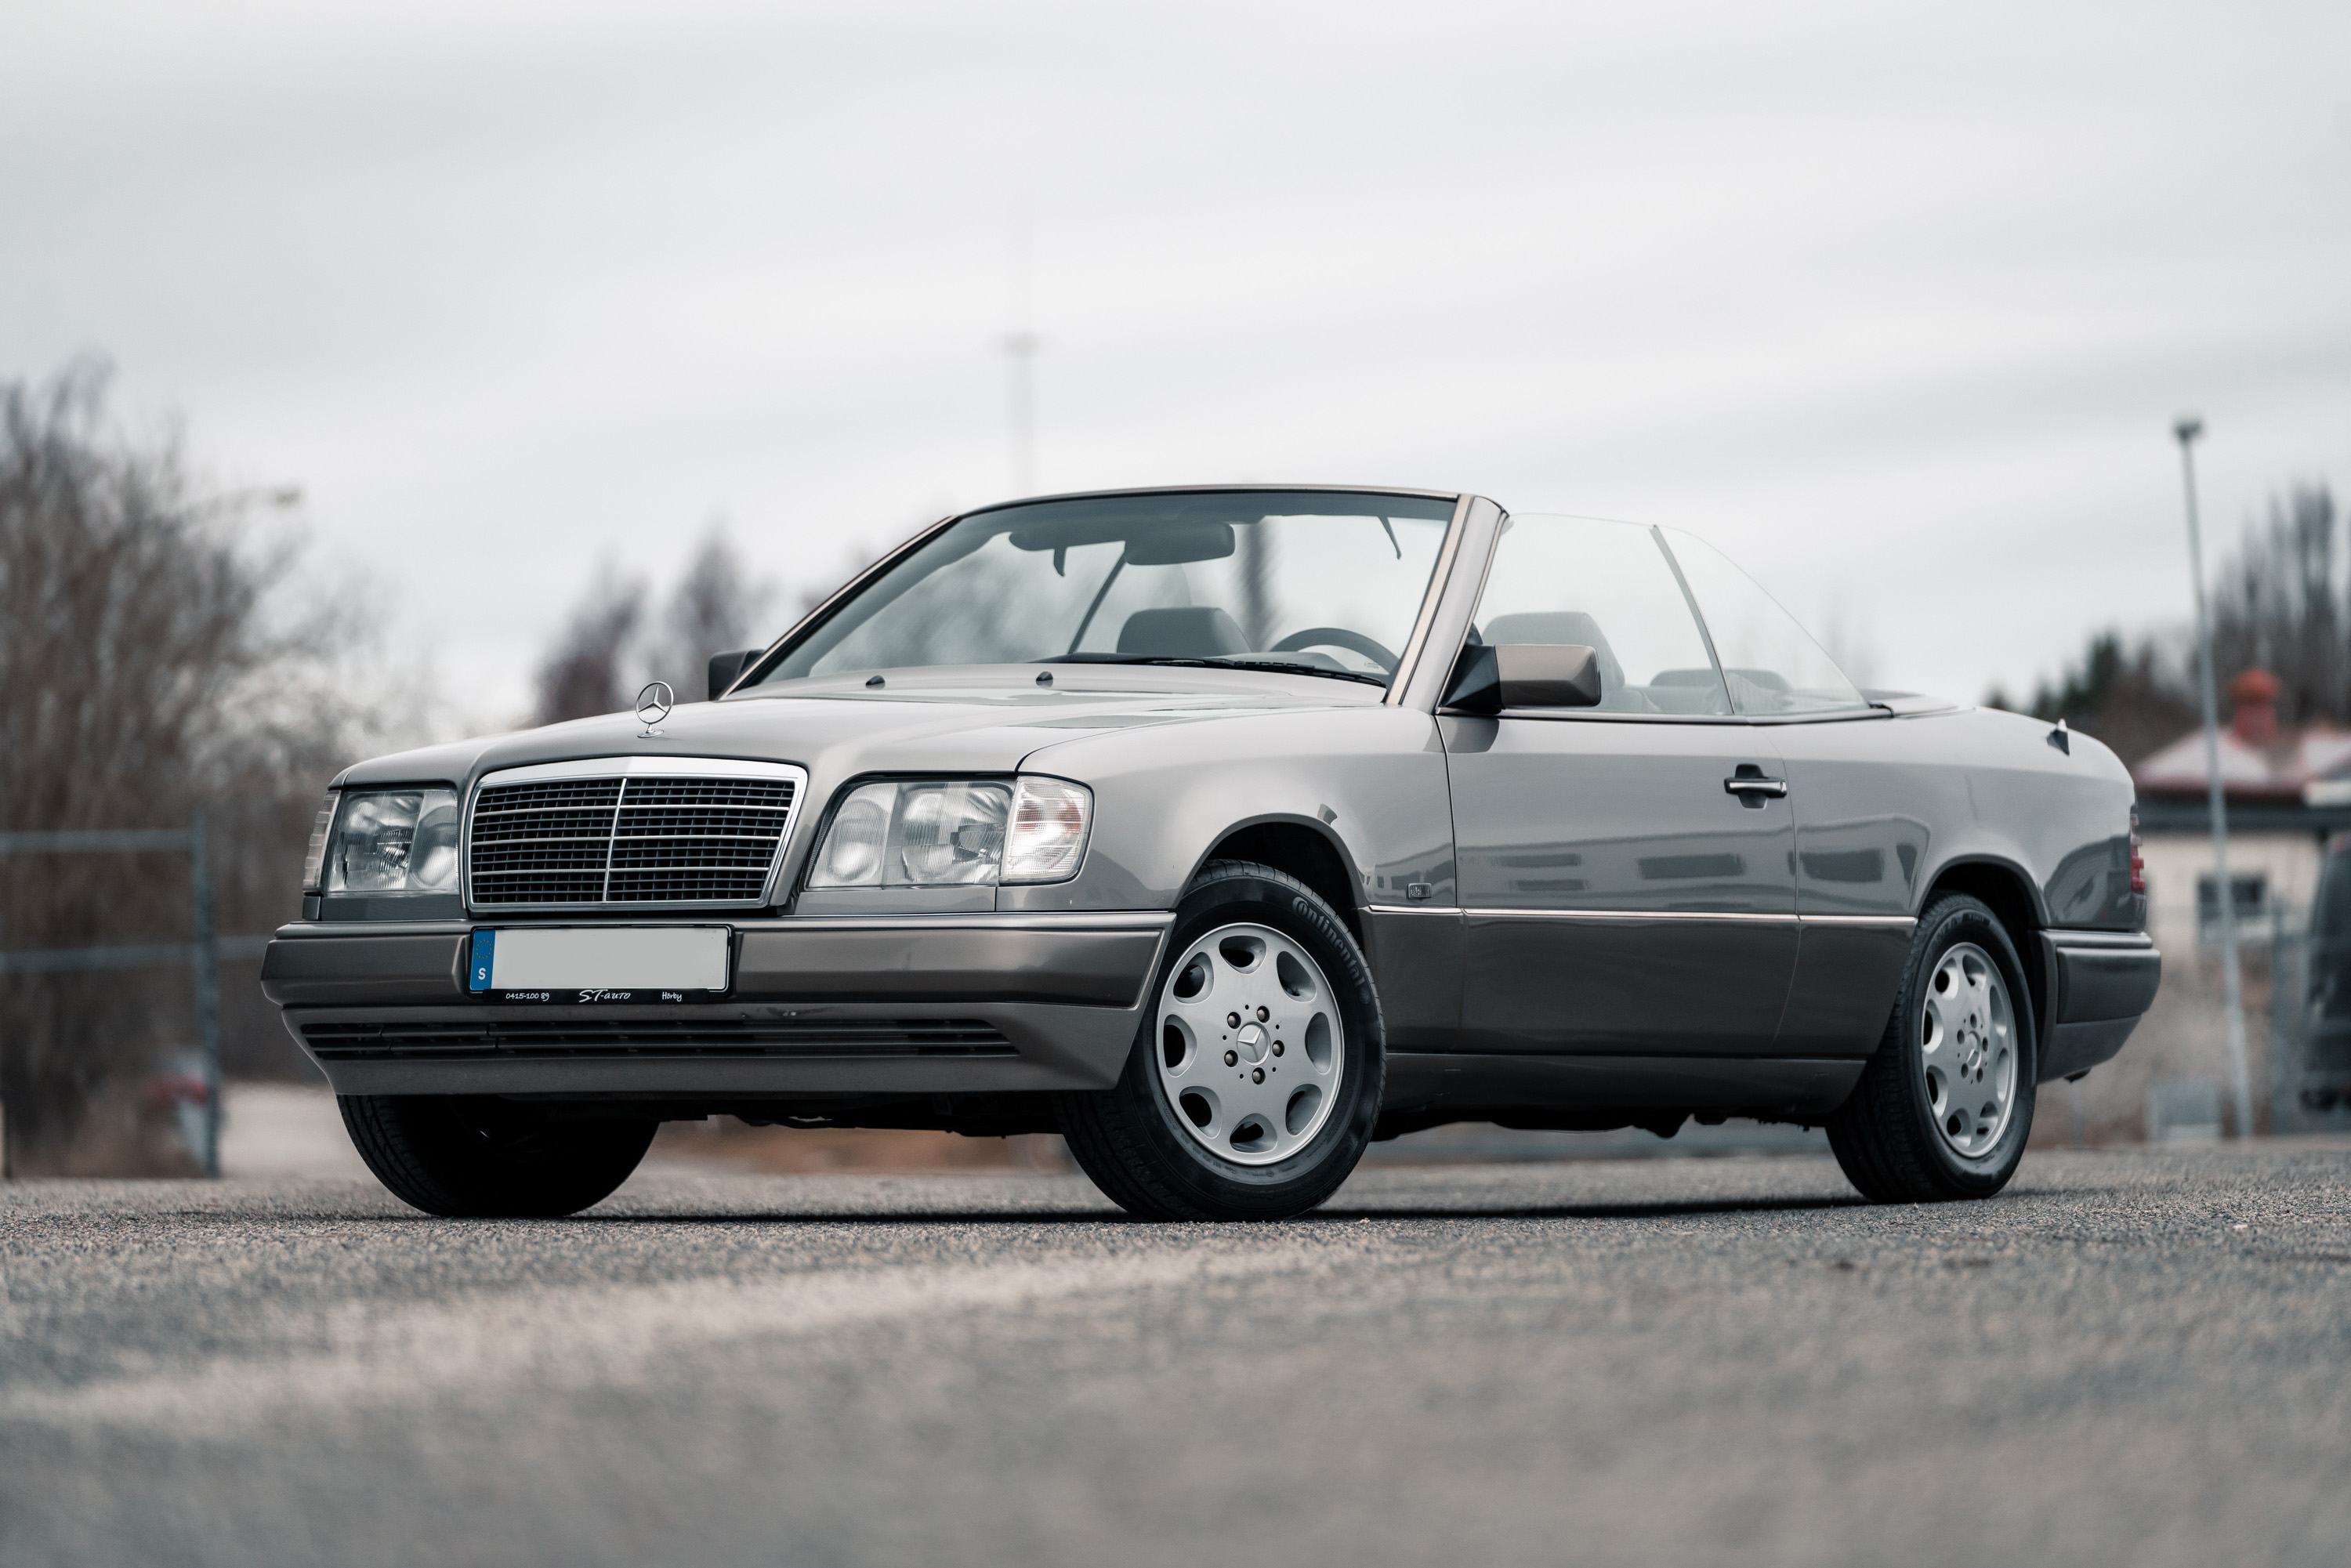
(754, 670)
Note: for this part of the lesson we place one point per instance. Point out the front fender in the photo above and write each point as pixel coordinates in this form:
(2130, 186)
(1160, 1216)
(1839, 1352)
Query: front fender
(1371, 780)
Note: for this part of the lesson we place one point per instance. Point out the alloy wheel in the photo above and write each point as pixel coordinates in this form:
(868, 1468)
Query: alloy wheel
(1967, 1048)
(1249, 1046)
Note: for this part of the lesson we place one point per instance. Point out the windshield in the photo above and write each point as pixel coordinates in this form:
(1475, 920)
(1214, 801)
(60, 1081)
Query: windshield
(1318, 581)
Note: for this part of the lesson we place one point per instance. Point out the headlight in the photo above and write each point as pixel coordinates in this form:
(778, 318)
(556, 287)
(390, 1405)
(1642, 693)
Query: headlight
(393, 841)
(944, 833)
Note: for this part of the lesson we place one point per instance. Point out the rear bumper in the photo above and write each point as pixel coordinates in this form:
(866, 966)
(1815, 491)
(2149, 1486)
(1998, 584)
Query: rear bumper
(2101, 982)
(957, 1004)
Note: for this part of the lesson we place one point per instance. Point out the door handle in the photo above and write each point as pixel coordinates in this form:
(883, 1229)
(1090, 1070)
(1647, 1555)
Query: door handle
(1754, 785)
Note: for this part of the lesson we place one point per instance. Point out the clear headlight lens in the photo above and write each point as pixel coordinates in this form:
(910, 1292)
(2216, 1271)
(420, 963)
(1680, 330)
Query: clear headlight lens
(393, 841)
(933, 833)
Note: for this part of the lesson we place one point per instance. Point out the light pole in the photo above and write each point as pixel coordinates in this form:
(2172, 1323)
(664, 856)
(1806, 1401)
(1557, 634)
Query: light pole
(2187, 429)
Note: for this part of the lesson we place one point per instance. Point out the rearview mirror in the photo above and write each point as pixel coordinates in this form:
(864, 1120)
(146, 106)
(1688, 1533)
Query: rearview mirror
(1524, 674)
(724, 667)
(1178, 544)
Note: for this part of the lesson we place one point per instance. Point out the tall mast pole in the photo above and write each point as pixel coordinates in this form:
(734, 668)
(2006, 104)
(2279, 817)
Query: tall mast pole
(2187, 429)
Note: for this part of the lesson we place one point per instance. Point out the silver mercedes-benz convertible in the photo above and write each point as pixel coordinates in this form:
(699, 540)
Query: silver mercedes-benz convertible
(1223, 830)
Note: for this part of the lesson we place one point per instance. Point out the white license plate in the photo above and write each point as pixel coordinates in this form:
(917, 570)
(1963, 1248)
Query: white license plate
(599, 963)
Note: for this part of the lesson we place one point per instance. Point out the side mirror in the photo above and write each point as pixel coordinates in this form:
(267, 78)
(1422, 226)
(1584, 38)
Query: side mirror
(724, 667)
(1518, 674)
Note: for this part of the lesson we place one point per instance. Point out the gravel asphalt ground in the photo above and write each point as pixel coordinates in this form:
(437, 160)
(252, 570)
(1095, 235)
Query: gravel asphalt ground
(2139, 1357)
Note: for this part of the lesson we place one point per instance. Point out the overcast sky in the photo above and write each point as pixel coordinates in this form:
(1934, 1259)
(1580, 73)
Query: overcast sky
(1894, 303)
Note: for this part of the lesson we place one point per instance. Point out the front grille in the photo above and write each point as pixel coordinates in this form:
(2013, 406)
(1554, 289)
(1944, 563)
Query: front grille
(669, 1038)
(626, 841)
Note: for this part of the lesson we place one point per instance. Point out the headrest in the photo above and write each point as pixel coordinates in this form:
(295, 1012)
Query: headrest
(1186, 632)
(1570, 627)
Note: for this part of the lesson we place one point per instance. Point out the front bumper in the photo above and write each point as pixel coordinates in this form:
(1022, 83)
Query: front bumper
(939, 1004)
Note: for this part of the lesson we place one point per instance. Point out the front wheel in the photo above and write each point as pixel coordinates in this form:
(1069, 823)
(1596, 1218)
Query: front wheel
(1944, 1107)
(476, 1156)
(1256, 1077)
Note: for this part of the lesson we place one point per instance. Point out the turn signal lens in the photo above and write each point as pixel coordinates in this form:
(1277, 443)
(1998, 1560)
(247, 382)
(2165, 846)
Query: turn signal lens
(1048, 837)
(314, 860)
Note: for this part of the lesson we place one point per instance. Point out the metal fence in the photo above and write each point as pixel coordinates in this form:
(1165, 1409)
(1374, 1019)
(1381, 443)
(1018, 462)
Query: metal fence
(2285, 930)
(202, 954)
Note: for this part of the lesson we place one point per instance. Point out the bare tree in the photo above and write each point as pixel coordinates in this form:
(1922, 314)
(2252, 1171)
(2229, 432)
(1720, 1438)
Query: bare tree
(141, 676)
(2130, 696)
(589, 666)
(2280, 605)
(610, 645)
(716, 607)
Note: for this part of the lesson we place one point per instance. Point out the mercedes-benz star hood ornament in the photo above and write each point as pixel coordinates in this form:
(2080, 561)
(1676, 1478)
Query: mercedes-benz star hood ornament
(653, 706)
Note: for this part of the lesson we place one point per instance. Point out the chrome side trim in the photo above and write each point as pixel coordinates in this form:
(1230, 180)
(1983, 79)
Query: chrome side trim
(2123, 940)
(638, 768)
(1891, 922)
(1631, 914)
(1898, 922)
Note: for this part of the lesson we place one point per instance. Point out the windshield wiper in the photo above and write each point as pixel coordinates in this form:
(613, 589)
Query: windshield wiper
(1288, 668)
(1220, 663)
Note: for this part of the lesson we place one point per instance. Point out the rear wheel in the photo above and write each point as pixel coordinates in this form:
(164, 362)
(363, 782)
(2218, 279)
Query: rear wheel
(1255, 1078)
(1944, 1107)
(479, 1156)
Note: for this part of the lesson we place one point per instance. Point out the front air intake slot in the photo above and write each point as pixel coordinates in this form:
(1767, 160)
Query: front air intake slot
(666, 1038)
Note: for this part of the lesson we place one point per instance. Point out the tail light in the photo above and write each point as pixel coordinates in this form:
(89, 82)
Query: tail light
(2138, 861)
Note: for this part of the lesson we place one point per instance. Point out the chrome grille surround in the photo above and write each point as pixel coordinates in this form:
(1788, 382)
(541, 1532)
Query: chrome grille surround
(630, 834)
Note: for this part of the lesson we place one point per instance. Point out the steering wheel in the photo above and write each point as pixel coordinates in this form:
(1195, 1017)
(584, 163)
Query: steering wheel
(1337, 637)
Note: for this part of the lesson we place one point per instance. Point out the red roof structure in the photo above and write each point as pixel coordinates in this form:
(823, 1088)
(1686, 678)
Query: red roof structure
(2258, 762)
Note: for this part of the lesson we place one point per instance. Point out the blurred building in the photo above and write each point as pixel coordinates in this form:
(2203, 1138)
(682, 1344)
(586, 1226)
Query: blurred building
(2288, 789)
(2283, 803)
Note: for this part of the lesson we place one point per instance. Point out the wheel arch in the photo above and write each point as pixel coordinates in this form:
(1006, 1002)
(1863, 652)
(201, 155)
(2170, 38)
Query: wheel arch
(2004, 888)
(1303, 848)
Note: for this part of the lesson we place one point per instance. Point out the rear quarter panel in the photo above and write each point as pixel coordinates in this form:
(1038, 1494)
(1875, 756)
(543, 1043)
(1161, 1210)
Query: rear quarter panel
(2060, 816)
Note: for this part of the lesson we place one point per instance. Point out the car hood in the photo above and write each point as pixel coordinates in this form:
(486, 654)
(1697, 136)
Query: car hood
(982, 720)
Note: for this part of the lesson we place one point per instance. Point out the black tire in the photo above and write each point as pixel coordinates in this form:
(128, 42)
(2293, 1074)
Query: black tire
(1886, 1136)
(481, 1158)
(1127, 1138)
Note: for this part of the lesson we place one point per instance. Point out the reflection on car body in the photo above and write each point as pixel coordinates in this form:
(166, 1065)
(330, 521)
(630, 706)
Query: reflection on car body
(1223, 830)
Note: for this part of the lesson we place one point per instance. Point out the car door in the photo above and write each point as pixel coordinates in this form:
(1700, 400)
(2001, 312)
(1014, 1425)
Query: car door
(1860, 798)
(1625, 870)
